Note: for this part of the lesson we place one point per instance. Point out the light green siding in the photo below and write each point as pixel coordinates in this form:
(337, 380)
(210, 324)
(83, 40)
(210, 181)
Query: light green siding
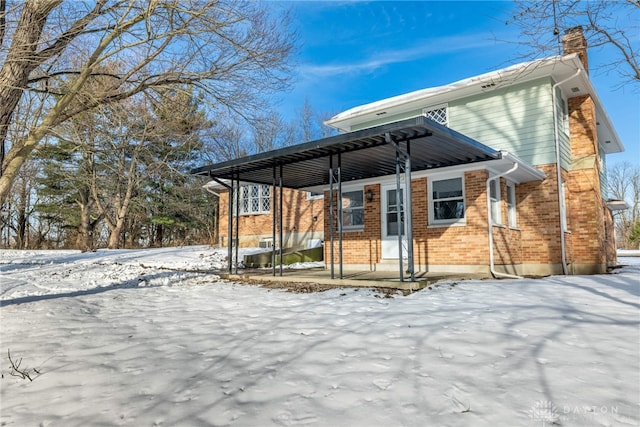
(604, 180)
(517, 119)
(563, 129)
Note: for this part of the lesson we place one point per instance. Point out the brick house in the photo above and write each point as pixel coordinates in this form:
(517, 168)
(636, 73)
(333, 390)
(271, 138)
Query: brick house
(302, 215)
(502, 172)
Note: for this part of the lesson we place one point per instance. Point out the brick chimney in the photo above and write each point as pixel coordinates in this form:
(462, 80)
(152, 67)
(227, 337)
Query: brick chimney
(573, 41)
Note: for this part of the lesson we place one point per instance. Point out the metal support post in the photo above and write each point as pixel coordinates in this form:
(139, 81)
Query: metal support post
(237, 234)
(280, 215)
(399, 210)
(409, 214)
(230, 229)
(340, 211)
(273, 223)
(408, 206)
(331, 213)
(230, 220)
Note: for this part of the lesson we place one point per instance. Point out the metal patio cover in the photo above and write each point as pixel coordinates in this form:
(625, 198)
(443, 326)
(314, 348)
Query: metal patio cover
(363, 154)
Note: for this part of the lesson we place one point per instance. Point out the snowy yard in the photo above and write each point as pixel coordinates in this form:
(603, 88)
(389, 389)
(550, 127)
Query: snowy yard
(153, 338)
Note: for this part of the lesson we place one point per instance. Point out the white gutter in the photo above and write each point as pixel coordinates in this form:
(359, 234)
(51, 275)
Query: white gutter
(211, 190)
(561, 207)
(490, 224)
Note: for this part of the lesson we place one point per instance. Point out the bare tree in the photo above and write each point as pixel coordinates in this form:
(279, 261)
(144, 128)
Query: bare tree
(233, 51)
(624, 184)
(611, 24)
(271, 131)
(226, 139)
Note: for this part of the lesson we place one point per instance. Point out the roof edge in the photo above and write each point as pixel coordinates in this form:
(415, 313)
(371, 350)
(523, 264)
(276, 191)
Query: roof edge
(427, 93)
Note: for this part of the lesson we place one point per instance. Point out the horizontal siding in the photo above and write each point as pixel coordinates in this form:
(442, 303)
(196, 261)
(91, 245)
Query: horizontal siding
(517, 119)
(604, 180)
(565, 150)
(563, 137)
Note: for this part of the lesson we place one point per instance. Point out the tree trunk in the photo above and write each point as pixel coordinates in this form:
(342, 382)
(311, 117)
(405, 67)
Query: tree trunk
(20, 62)
(159, 235)
(21, 229)
(84, 240)
(114, 235)
(23, 210)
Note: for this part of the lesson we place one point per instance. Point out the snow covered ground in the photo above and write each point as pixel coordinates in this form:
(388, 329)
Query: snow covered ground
(153, 338)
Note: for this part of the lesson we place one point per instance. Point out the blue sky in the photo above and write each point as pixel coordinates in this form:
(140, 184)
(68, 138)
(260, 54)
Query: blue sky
(352, 53)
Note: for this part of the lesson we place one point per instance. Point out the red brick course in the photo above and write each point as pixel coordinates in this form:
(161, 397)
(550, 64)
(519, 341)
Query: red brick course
(299, 216)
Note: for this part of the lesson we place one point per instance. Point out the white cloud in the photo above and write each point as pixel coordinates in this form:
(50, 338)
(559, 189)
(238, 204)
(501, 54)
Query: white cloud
(432, 47)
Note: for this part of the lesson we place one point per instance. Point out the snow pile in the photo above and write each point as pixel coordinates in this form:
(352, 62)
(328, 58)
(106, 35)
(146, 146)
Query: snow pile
(34, 273)
(184, 349)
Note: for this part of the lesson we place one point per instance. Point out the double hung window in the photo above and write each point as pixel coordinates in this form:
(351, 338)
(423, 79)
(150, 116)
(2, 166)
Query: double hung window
(352, 209)
(447, 201)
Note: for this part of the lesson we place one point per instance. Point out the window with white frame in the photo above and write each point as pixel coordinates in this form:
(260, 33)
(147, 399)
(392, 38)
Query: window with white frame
(353, 209)
(254, 199)
(447, 201)
(494, 197)
(511, 204)
(314, 195)
(438, 114)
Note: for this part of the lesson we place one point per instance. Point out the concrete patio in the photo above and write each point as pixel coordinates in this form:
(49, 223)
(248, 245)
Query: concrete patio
(351, 278)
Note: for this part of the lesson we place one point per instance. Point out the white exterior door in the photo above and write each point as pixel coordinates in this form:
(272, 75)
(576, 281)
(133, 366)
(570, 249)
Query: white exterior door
(392, 212)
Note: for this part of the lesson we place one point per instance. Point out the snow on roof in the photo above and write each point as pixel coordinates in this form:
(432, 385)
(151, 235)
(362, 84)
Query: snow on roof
(483, 79)
(558, 68)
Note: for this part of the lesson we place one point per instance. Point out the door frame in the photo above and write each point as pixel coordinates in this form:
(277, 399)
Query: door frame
(389, 244)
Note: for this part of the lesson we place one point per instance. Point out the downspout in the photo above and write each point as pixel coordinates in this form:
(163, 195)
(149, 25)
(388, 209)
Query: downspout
(217, 196)
(490, 224)
(229, 222)
(561, 207)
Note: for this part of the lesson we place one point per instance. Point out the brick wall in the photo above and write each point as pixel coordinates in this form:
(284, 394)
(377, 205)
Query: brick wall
(535, 242)
(457, 245)
(447, 245)
(507, 242)
(539, 219)
(302, 219)
(358, 246)
(586, 209)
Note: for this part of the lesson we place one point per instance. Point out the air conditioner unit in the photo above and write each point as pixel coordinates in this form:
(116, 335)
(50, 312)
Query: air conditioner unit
(266, 243)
